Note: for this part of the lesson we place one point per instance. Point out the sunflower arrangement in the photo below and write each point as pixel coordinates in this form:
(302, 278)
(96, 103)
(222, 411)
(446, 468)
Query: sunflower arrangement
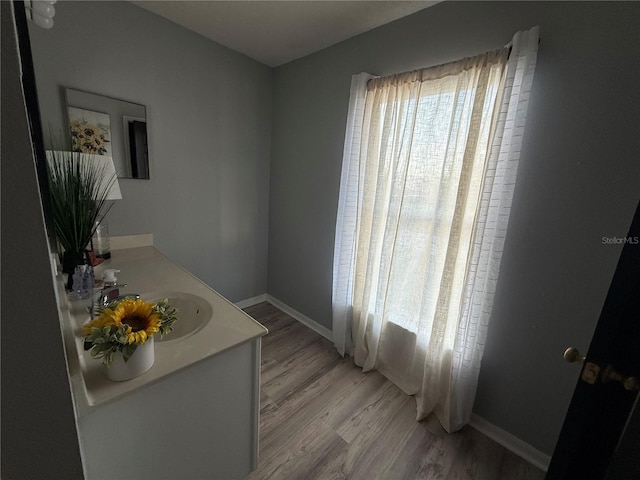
(88, 138)
(122, 325)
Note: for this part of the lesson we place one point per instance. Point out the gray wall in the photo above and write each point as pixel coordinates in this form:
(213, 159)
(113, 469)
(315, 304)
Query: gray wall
(208, 114)
(578, 181)
(39, 438)
(210, 131)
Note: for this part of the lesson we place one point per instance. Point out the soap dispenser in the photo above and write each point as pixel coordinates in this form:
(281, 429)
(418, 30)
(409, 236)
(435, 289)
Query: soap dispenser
(109, 277)
(110, 287)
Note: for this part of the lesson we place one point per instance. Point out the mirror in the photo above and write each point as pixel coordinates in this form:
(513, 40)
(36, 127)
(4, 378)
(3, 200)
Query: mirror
(107, 126)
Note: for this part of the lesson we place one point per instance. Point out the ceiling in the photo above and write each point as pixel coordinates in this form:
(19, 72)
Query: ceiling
(277, 32)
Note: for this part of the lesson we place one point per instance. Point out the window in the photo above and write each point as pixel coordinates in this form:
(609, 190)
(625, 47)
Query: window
(425, 157)
(429, 167)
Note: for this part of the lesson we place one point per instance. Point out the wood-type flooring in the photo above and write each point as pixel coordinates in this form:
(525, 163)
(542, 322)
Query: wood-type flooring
(321, 418)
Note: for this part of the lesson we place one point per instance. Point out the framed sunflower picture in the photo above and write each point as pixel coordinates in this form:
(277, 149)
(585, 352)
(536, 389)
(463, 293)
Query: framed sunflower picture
(90, 131)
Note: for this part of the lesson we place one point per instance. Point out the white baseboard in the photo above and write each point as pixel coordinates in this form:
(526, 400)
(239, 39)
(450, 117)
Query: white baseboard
(300, 317)
(249, 302)
(511, 442)
(312, 324)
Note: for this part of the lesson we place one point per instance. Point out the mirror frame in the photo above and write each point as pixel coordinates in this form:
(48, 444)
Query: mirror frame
(117, 128)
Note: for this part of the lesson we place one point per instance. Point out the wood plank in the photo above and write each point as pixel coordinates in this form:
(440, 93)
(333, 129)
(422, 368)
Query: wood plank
(477, 458)
(331, 405)
(300, 369)
(424, 456)
(286, 341)
(301, 453)
(322, 418)
(383, 450)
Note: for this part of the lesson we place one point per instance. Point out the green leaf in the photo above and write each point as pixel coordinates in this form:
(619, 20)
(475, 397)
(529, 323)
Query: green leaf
(128, 351)
(78, 197)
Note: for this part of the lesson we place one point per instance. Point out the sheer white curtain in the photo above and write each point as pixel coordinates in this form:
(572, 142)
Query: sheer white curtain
(429, 167)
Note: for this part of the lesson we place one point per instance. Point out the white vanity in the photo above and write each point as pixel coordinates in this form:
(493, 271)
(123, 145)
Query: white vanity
(194, 414)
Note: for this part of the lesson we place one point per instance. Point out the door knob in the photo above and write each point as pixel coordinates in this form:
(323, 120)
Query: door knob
(629, 383)
(573, 355)
(591, 371)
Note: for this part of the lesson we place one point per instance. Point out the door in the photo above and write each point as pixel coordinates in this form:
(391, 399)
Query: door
(599, 427)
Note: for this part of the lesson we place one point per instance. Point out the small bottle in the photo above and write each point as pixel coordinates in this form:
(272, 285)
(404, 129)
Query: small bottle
(76, 286)
(87, 281)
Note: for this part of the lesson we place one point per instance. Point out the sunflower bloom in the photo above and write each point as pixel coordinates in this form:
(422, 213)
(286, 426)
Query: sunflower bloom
(101, 321)
(138, 318)
(124, 324)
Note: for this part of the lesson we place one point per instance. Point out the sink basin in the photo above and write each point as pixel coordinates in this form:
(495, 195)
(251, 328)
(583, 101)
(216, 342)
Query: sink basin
(194, 313)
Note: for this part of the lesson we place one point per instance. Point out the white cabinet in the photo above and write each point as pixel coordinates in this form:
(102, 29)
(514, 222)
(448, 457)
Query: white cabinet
(194, 414)
(198, 423)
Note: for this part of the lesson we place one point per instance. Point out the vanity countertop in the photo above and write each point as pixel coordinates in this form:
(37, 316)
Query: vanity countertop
(146, 270)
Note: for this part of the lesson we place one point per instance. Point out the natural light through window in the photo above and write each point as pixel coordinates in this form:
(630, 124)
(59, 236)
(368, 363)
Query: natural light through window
(429, 168)
(428, 138)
